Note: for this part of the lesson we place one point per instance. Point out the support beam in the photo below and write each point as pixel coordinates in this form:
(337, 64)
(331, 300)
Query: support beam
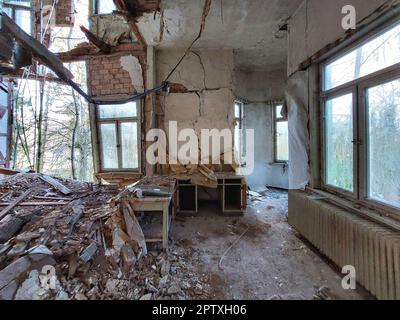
(103, 46)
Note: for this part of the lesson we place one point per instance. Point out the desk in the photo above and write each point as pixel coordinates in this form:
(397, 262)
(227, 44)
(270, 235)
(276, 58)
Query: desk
(157, 204)
(231, 189)
(150, 204)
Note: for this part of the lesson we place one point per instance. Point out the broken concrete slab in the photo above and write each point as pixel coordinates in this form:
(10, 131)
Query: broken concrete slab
(15, 271)
(31, 288)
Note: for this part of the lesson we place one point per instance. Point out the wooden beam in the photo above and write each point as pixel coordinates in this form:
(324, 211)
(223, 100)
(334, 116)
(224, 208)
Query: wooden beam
(131, 11)
(38, 50)
(9, 172)
(85, 52)
(103, 46)
(17, 74)
(53, 182)
(36, 204)
(13, 204)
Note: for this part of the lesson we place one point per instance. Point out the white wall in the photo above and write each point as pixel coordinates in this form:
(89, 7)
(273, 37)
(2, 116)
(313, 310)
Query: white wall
(260, 89)
(208, 76)
(318, 23)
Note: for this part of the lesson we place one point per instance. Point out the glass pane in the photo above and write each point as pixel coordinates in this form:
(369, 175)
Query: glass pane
(8, 11)
(338, 142)
(118, 111)
(3, 120)
(129, 145)
(282, 141)
(384, 142)
(379, 53)
(106, 6)
(108, 134)
(3, 149)
(238, 112)
(23, 19)
(278, 112)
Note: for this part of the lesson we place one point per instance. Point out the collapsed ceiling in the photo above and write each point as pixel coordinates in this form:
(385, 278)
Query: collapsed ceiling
(248, 27)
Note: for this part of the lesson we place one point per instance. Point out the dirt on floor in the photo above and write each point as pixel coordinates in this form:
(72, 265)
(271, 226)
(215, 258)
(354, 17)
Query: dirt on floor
(84, 238)
(258, 256)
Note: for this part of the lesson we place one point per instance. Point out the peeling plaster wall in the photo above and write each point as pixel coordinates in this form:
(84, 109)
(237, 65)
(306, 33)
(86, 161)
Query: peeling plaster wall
(132, 65)
(318, 23)
(259, 89)
(208, 77)
(112, 29)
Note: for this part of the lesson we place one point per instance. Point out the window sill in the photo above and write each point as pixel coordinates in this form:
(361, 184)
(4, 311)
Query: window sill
(282, 164)
(357, 208)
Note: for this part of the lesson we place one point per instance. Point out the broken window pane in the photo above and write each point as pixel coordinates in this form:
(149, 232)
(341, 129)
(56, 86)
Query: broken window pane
(282, 141)
(377, 54)
(108, 134)
(3, 149)
(129, 145)
(238, 110)
(23, 19)
(105, 6)
(239, 142)
(128, 110)
(338, 142)
(278, 111)
(383, 103)
(8, 11)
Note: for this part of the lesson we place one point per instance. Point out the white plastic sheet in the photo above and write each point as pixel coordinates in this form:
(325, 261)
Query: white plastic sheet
(297, 103)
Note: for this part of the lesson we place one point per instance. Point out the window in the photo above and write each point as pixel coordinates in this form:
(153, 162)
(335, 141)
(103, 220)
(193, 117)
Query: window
(118, 127)
(5, 128)
(338, 141)
(105, 6)
(20, 12)
(281, 135)
(239, 138)
(361, 121)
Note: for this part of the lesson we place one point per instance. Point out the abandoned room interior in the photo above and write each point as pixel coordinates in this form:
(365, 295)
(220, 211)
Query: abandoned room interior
(199, 150)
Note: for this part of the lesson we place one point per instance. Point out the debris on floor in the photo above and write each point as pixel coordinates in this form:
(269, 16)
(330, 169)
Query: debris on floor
(62, 239)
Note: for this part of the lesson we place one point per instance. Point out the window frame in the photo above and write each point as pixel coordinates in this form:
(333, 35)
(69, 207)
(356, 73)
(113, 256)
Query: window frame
(275, 120)
(117, 122)
(96, 8)
(14, 7)
(360, 124)
(239, 121)
(343, 91)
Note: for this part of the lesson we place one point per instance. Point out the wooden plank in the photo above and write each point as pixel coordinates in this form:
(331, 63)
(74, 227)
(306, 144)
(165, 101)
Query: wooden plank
(33, 204)
(133, 228)
(14, 203)
(103, 46)
(53, 182)
(9, 172)
(52, 198)
(5, 195)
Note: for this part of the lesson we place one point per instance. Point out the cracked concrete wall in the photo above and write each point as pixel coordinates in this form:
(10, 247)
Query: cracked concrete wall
(318, 23)
(208, 78)
(259, 90)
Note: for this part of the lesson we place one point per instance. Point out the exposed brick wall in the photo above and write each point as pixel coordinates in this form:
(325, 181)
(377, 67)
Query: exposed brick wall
(107, 77)
(65, 16)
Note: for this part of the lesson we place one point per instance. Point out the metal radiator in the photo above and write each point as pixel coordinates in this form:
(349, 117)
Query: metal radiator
(348, 239)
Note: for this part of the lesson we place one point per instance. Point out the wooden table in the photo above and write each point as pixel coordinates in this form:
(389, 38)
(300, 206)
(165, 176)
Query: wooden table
(157, 204)
(150, 204)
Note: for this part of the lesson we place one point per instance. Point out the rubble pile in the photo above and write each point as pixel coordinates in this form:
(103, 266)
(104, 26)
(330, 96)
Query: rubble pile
(62, 239)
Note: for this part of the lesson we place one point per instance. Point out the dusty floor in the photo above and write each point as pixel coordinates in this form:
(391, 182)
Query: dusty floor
(269, 261)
